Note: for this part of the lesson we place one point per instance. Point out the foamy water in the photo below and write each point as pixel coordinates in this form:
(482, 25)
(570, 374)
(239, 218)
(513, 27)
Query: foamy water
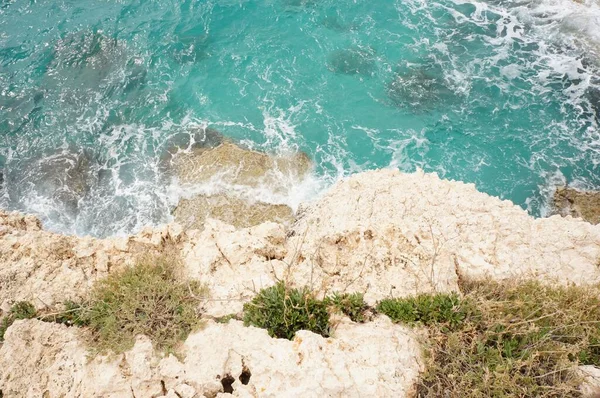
(504, 94)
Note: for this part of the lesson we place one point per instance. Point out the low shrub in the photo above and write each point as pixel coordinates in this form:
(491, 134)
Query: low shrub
(149, 298)
(19, 310)
(283, 311)
(445, 310)
(351, 304)
(523, 340)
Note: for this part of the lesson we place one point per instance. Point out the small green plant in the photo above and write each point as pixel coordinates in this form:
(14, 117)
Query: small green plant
(353, 305)
(283, 311)
(19, 310)
(74, 314)
(446, 310)
(226, 318)
(149, 298)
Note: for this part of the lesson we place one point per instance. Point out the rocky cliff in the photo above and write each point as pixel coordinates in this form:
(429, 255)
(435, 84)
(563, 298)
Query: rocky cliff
(382, 233)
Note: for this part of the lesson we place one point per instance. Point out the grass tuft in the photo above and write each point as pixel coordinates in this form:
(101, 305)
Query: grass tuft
(353, 305)
(283, 311)
(149, 298)
(19, 310)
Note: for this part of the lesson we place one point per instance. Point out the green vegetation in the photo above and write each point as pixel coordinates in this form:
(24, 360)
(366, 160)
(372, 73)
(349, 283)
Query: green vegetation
(19, 310)
(353, 305)
(504, 339)
(226, 318)
(149, 298)
(283, 311)
(493, 340)
(73, 315)
(445, 310)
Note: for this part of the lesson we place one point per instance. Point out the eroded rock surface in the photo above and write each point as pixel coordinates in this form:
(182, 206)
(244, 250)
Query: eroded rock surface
(395, 233)
(46, 268)
(243, 361)
(192, 213)
(238, 166)
(579, 204)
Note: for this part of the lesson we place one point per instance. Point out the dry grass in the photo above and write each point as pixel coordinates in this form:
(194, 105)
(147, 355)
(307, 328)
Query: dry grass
(150, 298)
(522, 340)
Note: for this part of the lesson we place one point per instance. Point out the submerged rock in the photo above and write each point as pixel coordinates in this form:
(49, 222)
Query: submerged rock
(195, 138)
(91, 61)
(241, 213)
(352, 61)
(227, 169)
(335, 23)
(60, 179)
(593, 95)
(418, 87)
(579, 204)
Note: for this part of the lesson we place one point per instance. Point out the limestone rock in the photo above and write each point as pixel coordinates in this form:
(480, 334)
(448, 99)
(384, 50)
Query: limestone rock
(243, 361)
(579, 204)
(47, 268)
(238, 166)
(591, 381)
(234, 263)
(383, 233)
(389, 233)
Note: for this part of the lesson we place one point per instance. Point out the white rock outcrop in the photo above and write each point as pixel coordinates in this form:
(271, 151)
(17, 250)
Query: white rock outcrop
(47, 268)
(372, 359)
(396, 233)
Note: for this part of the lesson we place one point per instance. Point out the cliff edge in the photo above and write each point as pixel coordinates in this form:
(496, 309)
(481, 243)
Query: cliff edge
(382, 233)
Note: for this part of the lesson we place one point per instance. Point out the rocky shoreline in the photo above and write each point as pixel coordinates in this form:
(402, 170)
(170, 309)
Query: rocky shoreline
(382, 233)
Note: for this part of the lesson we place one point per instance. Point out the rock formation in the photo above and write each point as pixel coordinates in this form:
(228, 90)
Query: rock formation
(383, 233)
(243, 361)
(231, 172)
(580, 204)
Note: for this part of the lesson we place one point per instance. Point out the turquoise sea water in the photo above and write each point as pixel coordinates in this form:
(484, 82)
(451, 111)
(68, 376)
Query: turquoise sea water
(504, 94)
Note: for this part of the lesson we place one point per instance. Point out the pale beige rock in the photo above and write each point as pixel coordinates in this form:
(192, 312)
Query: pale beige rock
(382, 232)
(47, 268)
(590, 387)
(241, 213)
(234, 263)
(353, 364)
(238, 166)
(392, 233)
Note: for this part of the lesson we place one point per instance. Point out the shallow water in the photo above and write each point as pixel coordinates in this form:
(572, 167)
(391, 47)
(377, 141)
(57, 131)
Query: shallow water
(504, 94)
